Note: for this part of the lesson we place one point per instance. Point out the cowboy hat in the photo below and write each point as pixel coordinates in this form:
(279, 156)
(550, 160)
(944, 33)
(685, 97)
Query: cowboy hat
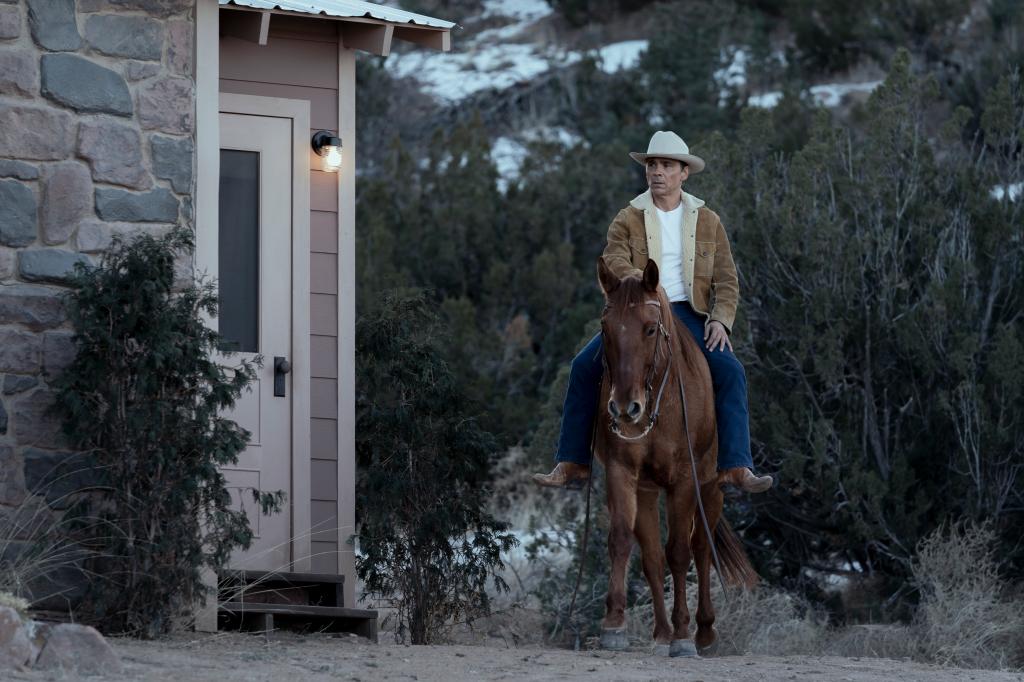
(665, 144)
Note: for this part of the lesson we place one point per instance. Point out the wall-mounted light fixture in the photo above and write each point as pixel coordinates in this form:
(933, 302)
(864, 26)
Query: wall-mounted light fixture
(328, 146)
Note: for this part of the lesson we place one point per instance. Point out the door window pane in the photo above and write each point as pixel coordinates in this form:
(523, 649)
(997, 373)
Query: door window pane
(239, 242)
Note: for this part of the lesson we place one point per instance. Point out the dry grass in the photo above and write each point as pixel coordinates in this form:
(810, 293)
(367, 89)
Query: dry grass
(764, 621)
(967, 617)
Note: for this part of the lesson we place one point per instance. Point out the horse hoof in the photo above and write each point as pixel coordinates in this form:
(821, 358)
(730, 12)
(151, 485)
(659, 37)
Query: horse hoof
(682, 648)
(707, 644)
(661, 649)
(614, 639)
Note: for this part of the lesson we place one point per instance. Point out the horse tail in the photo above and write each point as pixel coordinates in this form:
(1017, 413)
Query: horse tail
(734, 564)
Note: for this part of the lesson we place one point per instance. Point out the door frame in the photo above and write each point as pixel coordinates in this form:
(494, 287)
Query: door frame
(207, 260)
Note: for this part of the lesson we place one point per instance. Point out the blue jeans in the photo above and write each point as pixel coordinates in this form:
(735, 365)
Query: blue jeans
(728, 380)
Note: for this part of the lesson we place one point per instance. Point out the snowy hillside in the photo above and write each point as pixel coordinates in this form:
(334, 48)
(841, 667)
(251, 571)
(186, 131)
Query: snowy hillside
(514, 44)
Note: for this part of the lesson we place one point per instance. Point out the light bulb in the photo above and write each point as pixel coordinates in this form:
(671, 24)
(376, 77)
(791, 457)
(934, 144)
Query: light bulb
(332, 159)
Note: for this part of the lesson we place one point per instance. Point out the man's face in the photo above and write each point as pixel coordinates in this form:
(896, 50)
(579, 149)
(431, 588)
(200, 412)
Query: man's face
(665, 176)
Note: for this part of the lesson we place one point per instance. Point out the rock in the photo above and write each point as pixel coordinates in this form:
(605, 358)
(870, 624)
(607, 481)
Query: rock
(19, 71)
(59, 351)
(137, 71)
(44, 134)
(84, 85)
(10, 22)
(53, 24)
(172, 160)
(167, 105)
(179, 47)
(114, 152)
(57, 474)
(15, 646)
(34, 306)
(7, 262)
(14, 383)
(157, 8)
(78, 649)
(35, 423)
(67, 199)
(62, 586)
(125, 36)
(49, 265)
(20, 351)
(93, 236)
(22, 522)
(18, 169)
(155, 206)
(17, 214)
(12, 479)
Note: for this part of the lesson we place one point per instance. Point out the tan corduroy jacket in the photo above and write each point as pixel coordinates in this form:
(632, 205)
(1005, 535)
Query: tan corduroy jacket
(709, 273)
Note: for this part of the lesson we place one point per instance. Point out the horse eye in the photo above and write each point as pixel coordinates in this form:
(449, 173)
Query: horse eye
(650, 331)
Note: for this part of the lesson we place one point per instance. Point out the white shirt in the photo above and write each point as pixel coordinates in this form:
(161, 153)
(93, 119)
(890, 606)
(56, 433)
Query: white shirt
(670, 269)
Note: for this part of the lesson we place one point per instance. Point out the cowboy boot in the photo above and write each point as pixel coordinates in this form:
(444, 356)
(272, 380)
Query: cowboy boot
(564, 475)
(744, 479)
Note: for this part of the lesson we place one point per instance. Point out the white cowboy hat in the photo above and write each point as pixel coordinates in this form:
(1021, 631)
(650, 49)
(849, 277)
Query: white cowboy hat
(665, 144)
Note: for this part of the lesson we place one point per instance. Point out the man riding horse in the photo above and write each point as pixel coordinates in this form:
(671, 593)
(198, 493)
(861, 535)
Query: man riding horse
(687, 241)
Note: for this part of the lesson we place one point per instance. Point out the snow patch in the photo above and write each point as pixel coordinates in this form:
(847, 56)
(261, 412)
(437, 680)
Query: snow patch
(1011, 192)
(735, 74)
(508, 153)
(828, 95)
(508, 156)
(521, 10)
(453, 76)
(618, 56)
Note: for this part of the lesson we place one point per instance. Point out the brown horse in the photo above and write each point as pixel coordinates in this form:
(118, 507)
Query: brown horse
(642, 440)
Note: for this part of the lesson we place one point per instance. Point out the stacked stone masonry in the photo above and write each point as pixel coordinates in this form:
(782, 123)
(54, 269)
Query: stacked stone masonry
(97, 126)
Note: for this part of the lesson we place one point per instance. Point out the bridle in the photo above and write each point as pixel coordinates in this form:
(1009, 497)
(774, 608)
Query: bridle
(649, 380)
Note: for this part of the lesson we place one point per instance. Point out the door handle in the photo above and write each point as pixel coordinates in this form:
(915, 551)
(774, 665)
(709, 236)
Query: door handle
(281, 367)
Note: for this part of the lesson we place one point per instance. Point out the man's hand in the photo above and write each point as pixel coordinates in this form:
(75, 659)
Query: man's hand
(715, 335)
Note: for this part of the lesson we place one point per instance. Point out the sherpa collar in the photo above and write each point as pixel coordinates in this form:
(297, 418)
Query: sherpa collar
(645, 202)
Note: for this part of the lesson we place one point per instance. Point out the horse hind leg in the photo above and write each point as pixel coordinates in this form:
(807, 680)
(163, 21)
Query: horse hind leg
(648, 535)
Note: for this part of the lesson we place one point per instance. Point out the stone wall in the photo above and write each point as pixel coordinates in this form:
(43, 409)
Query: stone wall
(97, 129)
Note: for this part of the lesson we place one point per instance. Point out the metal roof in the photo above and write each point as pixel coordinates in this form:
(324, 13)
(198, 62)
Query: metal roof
(345, 8)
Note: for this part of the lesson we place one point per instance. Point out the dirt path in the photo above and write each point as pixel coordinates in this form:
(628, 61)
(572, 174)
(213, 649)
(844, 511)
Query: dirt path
(287, 657)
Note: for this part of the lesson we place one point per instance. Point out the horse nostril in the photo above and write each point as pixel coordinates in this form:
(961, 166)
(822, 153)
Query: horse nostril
(613, 408)
(634, 410)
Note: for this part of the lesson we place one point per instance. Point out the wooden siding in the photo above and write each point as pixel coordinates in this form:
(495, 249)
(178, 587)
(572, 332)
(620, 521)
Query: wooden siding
(300, 61)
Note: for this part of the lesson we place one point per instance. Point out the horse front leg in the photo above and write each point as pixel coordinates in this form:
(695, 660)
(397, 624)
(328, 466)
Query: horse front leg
(648, 534)
(621, 489)
(713, 499)
(680, 507)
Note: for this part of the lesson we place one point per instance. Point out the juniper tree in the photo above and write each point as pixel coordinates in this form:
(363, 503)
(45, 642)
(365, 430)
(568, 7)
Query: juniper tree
(143, 400)
(426, 539)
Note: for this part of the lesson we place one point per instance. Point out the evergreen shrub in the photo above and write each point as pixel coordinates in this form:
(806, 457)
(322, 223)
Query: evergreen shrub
(426, 539)
(143, 401)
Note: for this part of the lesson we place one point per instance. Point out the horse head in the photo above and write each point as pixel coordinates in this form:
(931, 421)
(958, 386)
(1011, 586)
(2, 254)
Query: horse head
(632, 330)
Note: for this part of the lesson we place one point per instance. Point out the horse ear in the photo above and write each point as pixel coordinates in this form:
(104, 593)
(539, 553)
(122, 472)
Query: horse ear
(609, 282)
(651, 276)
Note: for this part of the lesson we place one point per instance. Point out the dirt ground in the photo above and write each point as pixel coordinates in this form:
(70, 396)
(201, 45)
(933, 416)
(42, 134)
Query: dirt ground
(228, 657)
